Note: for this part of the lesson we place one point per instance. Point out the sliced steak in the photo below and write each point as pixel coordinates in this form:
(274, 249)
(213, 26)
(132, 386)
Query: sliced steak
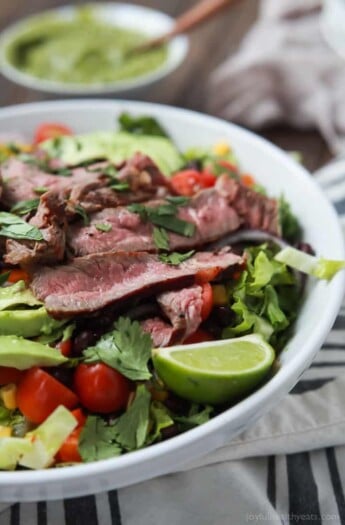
(161, 332)
(183, 309)
(209, 211)
(257, 211)
(93, 282)
(88, 187)
(50, 219)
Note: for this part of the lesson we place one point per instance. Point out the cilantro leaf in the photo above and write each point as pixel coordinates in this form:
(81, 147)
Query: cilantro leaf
(175, 258)
(127, 349)
(80, 210)
(41, 189)
(131, 429)
(103, 227)
(24, 207)
(161, 419)
(97, 440)
(160, 238)
(164, 216)
(14, 227)
(141, 126)
(197, 415)
(119, 186)
(178, 200)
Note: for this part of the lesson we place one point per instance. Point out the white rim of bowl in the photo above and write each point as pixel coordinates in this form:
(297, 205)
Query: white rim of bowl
(178, 49)
(280, 381)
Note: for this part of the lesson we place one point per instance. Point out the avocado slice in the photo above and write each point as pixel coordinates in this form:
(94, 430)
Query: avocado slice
(116, 147)
(17, 295)
(11, 451)
(22, 354)
(27, 323)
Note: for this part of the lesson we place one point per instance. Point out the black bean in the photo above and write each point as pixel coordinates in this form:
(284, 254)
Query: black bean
(305, 247)
(84, 339)
(62, 374)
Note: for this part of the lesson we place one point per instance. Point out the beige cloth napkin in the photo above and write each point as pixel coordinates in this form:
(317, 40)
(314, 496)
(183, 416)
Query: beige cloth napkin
(284, 72)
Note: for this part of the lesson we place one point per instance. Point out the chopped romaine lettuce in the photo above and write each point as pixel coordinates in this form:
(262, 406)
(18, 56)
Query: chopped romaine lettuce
(317, 267)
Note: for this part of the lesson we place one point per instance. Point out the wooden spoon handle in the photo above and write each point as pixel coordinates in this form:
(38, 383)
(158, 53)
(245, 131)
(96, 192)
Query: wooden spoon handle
(190, 19)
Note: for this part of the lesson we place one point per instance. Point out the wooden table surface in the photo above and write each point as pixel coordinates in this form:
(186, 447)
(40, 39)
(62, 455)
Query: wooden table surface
(210, 45)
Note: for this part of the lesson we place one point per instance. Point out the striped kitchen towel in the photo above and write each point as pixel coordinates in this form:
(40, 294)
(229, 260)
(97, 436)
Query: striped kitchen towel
(288, 468)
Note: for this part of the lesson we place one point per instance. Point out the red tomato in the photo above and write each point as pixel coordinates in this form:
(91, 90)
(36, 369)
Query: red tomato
(207, 274)
(39, 394)
(207, 301)
(200, 336)
(247, 180)
(188, 182)
(9, 375)
(50, 131)
(80, 416)
(18, 275)
(65, 347)
(101, 388)
(69, 451)
(228, 166)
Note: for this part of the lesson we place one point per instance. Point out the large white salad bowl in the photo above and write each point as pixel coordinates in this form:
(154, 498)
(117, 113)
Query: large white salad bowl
(280, 175)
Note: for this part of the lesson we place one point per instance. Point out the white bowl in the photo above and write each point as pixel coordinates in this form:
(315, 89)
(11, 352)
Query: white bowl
(279, 174)
(143, 19)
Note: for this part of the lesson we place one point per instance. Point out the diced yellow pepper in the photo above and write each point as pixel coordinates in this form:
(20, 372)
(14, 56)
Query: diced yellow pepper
(5, 431)
(8, 395)
(222, 148)
(220, 297)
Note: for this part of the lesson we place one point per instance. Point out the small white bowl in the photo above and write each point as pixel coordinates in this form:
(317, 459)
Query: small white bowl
(137, 18)
(279, 174)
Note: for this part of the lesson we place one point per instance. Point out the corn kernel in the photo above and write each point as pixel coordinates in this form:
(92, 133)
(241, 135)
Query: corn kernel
(222, 148)
(220, 296)
(5, 432)
(8, 395)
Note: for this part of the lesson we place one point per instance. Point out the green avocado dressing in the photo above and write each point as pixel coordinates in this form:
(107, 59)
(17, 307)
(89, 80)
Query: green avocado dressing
(83, 50)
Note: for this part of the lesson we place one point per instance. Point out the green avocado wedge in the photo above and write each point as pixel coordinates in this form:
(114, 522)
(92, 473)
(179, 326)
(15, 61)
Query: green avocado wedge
(22, 354)
(17, 295)
(115, 147)
(27, 323)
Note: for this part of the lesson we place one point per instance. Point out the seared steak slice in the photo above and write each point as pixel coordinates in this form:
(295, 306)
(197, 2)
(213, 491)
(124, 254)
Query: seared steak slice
(257, 211)
(209, 211)
(89, 187)
(183, 309)
(93, 282)
(161, 332)
(50, 219)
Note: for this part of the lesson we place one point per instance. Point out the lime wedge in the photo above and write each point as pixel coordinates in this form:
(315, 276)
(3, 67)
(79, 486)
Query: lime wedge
(214, 372)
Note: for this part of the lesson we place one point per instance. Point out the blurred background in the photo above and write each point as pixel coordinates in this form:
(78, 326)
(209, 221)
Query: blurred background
(188, 87)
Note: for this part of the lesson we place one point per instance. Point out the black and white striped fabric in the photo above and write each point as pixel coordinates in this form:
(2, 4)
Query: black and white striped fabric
(302, 487)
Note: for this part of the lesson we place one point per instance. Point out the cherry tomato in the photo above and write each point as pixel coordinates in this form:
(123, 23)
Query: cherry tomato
(39, 394)
(188, 182)
(229, 166)
(69, 451)
(100, 388)
(207, 301)
(200, 336)
(247, 180)
(65, 347)
(9, 375)
(80, 416)
(18, 275)
(50, 131)
(207, 274)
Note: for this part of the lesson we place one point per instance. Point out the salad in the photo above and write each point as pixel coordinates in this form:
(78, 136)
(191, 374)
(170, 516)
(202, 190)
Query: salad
(143, 290)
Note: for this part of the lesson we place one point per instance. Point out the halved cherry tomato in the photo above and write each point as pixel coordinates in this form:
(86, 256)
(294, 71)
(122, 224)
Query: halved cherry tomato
(188, 182)
(100, 388)
(9, 375)
(200, 336)
(228, 166)
(50, 131)
(18, 275)
(207, 301)
(39, 394)
(80, 416)
(247, 180)
(207, 274)
(65, 347)
(69, 451)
